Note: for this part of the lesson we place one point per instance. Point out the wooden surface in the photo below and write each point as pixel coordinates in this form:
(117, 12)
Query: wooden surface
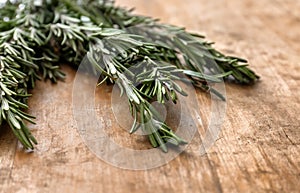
(258, 147)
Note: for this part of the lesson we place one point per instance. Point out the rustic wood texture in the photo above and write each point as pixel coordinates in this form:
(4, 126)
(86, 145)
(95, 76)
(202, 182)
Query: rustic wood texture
(257, 149)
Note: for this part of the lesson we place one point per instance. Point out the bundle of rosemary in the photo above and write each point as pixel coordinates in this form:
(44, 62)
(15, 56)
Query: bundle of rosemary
(36, 36)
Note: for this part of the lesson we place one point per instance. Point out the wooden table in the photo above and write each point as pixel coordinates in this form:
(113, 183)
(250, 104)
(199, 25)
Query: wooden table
(258, 147)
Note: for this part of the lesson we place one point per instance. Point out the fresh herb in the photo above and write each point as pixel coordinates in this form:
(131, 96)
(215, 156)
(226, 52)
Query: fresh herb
(144, 58)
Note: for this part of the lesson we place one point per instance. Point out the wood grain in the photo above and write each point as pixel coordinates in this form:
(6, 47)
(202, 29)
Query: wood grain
(257, 150)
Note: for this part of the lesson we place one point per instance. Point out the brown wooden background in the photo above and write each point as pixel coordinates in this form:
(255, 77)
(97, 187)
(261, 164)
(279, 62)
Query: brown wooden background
(257, 150)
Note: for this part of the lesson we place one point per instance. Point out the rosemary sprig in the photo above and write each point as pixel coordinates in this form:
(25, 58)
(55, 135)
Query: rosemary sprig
(140, 55)
(197, 53)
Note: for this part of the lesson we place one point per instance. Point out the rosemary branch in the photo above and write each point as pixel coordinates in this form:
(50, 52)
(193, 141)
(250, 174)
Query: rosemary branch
(139, 54)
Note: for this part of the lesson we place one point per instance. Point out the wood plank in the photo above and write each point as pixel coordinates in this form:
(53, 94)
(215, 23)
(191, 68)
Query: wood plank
(258, 147)
(7, 153)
